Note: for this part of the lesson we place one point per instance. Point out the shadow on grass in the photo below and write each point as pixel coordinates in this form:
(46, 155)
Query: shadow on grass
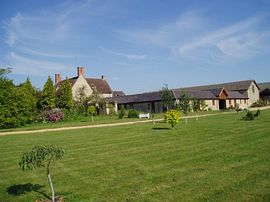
(19, 189)
(161, 128)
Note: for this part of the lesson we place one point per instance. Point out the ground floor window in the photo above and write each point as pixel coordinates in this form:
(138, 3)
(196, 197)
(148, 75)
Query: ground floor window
(213, 102)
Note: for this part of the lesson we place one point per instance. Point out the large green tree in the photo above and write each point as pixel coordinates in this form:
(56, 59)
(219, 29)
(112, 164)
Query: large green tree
(48, 97)
(10, 116)
(65, 99)
(167, 97)
(18, 104)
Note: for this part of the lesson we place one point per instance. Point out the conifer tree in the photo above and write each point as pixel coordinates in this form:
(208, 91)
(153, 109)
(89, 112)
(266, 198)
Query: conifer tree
(27, 86)
(28, 94)
(48, 98)
(65, 98)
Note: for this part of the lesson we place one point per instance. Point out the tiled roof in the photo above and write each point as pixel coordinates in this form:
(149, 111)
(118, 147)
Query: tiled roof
(101, 85)
(210, 92)
(236, 95)
(231, 86)
(118, 93)
(264, 86)
(197, 94)
(156, 96)
(216, 91)
(136, 98)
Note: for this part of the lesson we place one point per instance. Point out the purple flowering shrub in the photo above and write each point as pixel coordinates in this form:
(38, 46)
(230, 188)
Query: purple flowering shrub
(51, 115)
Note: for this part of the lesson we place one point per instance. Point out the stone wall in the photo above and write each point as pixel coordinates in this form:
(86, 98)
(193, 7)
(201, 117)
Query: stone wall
(253, 94)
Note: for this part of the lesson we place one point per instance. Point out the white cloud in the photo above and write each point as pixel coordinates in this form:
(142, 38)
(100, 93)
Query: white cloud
(127, 56)
(214, 37)
(167, 34)
(243, 46)
(34, 37)
(192, 36)
(46, 54)
(27, 30)
(26, 66)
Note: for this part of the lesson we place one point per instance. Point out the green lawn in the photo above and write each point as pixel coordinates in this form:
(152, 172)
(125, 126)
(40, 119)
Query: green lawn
(87, 120)
(218, 158)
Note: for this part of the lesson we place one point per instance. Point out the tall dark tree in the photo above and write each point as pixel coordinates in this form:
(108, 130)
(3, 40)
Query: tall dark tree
(184, 104)
(65, 99)
(196, 105)
(167, 97)
(48, 97)
(28, 93)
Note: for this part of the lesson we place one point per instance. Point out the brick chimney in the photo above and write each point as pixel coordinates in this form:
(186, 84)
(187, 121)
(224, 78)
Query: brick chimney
(103, 77)
(80, 71)
(57, 78)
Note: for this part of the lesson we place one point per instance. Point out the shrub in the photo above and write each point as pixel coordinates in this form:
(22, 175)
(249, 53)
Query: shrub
(258, 112)
(249, 116)
(132, 113)
(79, 108)
(259, 103)
(92, 111)
(172, 117)
(71, 114)
(52, 115)
(122, 112)
(238, 108)
(112, 111)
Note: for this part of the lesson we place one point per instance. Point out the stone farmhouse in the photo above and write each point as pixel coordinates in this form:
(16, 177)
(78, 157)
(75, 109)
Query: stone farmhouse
(217, 96)
(80, 83)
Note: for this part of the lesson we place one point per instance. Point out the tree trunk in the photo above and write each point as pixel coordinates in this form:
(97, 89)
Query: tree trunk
(51, 186)
(92, 117)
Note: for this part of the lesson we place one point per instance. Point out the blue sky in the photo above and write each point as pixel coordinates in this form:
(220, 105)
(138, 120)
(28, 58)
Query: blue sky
(137, 44)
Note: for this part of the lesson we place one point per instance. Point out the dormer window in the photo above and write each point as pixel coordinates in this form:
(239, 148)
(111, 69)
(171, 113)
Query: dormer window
(253, 89)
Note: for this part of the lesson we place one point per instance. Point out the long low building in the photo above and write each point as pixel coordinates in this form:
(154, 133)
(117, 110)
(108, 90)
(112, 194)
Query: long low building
(217, 96)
